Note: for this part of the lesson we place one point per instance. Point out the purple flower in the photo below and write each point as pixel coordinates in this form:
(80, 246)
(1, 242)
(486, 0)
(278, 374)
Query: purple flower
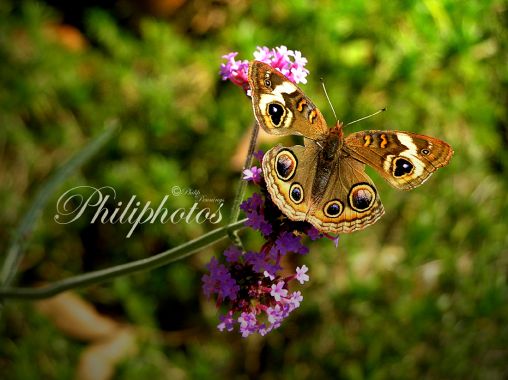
(275, 315)
(288, 62)
(295, 300)
(253, 203)
(227, 322)
(259, 155)
(278, 291)
(272, 269)
(262, 300)
(288, 242)
(253, 174)
(219, 281)
(257, 260)
(248, 323)
(255, 218)
(263, 329)
(298, 70)
(300, 61)
(232, 254)
(301, 275)
(263, 54)
(235, 71)
(250, 284)
(313, 233)
(269, 275)
(258, 222)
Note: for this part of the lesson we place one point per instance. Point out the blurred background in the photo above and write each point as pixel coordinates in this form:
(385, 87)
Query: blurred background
(421, 294)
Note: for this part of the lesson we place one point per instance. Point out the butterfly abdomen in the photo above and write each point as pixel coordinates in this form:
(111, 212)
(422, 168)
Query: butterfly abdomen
(326, 163)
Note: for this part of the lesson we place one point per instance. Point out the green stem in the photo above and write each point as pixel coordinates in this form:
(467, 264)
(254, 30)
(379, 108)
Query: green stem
(102, 275)
(240, 192)
(24, 230)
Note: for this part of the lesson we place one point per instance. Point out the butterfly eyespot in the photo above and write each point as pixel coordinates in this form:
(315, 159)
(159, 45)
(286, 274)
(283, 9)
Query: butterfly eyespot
(333, 209)
(402, 167)
(268, 83)
(276, 112)
(285, 164)
(296, 193)
(425, 152)
(361, 197)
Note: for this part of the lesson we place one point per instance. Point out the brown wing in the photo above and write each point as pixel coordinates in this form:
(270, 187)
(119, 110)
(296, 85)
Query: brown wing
(280, 106)
(404, 159)
(349, 202)
(289, 174)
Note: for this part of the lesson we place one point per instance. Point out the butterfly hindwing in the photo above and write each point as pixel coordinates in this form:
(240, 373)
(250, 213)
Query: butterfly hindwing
(350, 202)
(347, 202)
(289, 174)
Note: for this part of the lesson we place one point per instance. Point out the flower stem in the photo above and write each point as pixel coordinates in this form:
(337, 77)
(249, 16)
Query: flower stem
(242, 186)
(24, 230)
(102, 275)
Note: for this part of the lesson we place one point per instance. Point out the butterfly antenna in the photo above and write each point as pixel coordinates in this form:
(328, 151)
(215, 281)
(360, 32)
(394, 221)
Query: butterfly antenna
(366, 117)
(328, 98)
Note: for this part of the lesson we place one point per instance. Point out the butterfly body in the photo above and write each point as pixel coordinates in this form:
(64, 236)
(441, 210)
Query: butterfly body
(324, 182)
(328, 158)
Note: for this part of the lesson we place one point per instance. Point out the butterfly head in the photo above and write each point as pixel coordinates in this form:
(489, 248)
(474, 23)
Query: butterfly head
(338, 130)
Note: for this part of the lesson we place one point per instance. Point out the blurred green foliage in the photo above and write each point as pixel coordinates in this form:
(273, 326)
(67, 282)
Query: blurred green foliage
(422, 294)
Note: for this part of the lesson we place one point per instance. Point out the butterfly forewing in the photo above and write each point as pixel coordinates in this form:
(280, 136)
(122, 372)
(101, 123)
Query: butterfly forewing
(404, 159)
(280, 106)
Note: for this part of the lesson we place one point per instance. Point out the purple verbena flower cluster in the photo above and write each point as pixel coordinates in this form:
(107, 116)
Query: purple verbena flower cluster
(250, 284)
(257, 300)
(288, 62)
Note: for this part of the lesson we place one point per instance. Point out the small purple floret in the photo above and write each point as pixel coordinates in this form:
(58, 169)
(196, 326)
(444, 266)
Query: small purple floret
(278, 291)
(253, 174)
(301, 275)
